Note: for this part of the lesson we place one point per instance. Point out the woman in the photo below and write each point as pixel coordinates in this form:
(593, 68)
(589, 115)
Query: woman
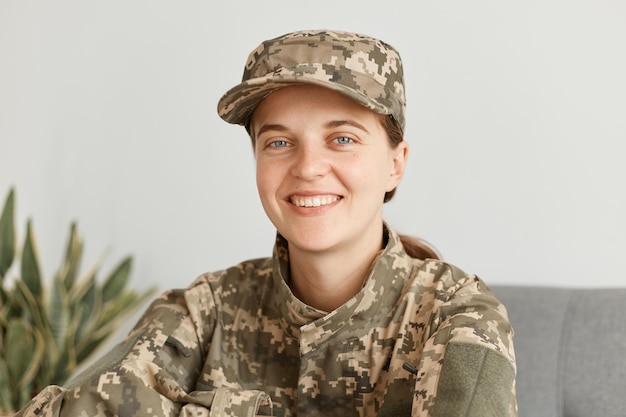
(347, 317)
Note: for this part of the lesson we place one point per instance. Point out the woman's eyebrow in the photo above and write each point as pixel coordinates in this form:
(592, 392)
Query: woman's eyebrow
(271, 126)
(331, 124)
(338, 123)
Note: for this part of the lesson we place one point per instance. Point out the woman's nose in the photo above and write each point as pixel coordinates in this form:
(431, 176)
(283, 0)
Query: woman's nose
(309, 163)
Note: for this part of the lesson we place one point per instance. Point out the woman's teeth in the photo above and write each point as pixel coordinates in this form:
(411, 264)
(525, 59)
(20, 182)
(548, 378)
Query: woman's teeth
(314, 201)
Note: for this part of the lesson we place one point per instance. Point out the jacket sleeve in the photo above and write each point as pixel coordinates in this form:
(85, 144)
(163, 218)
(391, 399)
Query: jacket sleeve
(153, 372)
(468, 362)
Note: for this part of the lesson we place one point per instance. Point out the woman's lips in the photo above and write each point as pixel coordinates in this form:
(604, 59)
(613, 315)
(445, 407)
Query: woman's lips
(313, 200)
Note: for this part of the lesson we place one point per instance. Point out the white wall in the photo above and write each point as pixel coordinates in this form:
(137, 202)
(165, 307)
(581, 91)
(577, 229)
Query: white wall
(516, 120)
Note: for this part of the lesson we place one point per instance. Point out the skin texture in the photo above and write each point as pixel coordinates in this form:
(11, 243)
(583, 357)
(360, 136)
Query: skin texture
(316, 146)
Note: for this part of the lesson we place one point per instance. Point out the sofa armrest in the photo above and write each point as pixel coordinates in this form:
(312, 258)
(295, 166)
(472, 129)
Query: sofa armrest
(570, 346)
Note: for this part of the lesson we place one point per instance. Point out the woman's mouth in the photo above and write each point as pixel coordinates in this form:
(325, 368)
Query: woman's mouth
(313, 200)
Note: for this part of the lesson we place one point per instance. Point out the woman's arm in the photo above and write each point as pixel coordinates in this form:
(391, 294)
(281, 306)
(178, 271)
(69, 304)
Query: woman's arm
(468, 364)
(154, 368)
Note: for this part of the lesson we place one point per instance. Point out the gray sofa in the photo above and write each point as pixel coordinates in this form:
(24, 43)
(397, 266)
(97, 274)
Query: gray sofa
(570, 346)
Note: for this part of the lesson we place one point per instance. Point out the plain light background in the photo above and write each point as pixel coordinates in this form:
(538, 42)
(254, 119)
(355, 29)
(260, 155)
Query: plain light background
(516, 121)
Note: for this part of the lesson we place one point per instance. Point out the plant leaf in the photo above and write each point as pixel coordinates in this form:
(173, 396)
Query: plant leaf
(58, 312)
(67, 361)
(31, 274)
(7, 234)
(114, 311)
(89, 307)
(6, 402)
(73, 254)
(24, 352)
(115, 283)
(84, 284)
(30, 307)
(35, 312)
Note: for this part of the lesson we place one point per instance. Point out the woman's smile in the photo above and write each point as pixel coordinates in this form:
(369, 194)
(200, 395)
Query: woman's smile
(313, 200)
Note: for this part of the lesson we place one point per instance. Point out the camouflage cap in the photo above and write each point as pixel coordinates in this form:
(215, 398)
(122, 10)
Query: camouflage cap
(361, 67)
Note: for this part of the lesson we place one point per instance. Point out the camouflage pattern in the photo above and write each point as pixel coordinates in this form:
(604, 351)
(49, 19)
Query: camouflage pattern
(238, 343)
(364, 68)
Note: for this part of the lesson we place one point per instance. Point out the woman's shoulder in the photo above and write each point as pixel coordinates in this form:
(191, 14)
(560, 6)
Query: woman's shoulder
(440, 270)
(237, 284)
(251, 269)
(447, 279)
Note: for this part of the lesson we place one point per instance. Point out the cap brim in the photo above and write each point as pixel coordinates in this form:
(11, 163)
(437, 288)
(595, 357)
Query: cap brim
(238, 104)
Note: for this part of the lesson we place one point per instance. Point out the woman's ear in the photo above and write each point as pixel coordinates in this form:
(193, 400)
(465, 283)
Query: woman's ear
(399, 156)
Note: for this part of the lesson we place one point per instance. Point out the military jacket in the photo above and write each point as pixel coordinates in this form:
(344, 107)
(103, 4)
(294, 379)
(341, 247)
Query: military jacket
(421, 338)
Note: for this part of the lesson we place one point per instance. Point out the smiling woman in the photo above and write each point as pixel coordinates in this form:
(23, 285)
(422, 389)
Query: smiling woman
(347, 317)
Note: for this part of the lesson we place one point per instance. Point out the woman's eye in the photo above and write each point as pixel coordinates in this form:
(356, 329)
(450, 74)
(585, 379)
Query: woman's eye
(278, 144)
(343, 140)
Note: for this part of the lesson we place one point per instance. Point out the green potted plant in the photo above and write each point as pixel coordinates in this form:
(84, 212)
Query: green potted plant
(47, 331)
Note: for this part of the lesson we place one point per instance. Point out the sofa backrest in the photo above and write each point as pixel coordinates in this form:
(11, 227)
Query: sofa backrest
(570, 349)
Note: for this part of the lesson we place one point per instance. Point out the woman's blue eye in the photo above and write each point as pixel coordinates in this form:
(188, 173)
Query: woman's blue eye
(278, 144)
(343, 140)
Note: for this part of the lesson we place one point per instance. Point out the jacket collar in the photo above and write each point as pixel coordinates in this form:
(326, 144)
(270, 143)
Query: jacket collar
(385, 284)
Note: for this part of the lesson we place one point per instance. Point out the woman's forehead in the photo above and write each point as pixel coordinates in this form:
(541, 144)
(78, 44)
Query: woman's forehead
(308, 100)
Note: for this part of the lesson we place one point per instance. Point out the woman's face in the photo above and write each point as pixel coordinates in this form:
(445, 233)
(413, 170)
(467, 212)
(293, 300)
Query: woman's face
(324, 163)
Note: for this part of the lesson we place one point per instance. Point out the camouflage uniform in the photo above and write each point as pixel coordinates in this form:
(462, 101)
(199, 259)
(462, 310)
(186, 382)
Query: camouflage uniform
(421, 338)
